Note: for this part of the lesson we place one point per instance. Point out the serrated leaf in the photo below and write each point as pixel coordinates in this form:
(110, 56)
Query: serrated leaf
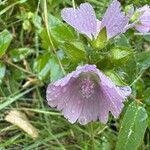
(101, 39)
(60, 31)
(133, 127)
(75, 51)
(5, 39)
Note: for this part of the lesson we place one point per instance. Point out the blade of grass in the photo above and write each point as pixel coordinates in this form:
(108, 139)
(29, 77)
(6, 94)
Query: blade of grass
(10, 100)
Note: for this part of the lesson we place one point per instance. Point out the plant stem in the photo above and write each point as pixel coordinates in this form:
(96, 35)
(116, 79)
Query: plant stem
(49, 36)
(73, 4)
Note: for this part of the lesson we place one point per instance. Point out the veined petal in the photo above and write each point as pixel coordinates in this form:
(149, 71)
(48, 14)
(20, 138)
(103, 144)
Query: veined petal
(114, 20)
(87, 95)
(145, 18)
(113, 100)
(125, 91)
(91, 109)
(83, 19)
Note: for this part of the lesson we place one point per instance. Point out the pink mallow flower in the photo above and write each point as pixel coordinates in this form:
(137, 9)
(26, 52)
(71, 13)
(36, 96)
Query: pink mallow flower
(143, 24)
(84, 20)
(86, 95)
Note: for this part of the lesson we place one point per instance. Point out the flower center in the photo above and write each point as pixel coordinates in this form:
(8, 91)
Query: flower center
(87, 88)
(88, 82)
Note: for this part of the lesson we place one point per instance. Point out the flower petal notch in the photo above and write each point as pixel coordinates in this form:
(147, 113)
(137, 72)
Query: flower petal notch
(84, 20)
(86, 95)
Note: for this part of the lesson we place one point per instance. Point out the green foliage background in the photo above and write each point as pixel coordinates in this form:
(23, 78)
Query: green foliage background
(33, 43)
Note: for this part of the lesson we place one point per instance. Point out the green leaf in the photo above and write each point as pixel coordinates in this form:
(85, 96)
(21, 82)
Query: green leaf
(143, 60)
(47, 67)
(148, 111)
(2, 71)
(45, 39)
(55, 70)
(147, 37)
(17, 75)
(42, 66)
(133, 127)
(20, 53)
(122, 41)
(130, 70)
(37, 21)
(5, 39)
(75, 50)
(60, 31)
(26, 25)
(101, 39)
(146, 96)
(115, 77)
(120, 55)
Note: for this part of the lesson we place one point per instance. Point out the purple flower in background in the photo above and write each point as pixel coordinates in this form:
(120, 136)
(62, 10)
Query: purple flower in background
(84, 20)
(87, 95)
(114, 20)
(143, 24)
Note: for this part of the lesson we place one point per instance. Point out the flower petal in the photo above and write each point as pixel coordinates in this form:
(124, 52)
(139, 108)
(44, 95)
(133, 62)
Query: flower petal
(65, 98)
(114, 20)
(75, 74)
(113, 100)
(59, 96)
(112, 94)
(143, 24)
(145, 18)
(73, 109)
(125, 91)
(87, 95)
(103, 110)
(90, 109)
(142, 28)
(83, 19)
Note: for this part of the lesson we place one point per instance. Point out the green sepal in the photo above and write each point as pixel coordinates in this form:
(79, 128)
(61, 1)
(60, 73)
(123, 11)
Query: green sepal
(101, 39)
